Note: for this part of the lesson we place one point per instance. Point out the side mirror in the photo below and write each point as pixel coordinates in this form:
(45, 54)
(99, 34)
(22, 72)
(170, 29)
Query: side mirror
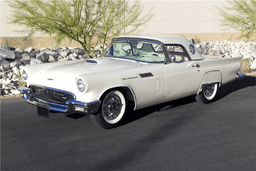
(173, 58)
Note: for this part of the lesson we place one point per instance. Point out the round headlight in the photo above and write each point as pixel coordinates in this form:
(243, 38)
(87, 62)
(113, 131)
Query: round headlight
(80, 85)
(24, 75)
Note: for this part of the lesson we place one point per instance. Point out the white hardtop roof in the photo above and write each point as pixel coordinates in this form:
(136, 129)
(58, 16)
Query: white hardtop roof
(170, 40)
(162, 38)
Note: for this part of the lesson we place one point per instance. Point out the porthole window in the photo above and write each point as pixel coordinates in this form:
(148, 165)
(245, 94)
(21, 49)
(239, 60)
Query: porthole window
(192, 49)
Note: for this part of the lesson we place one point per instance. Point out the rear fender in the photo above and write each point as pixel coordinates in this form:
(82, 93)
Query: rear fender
(210, 78)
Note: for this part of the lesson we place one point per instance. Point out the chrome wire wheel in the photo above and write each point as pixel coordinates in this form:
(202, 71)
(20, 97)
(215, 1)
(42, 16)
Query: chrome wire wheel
(210, 91)
(113, 107)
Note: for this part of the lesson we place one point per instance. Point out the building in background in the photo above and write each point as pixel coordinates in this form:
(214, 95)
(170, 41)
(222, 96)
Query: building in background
(170, 17)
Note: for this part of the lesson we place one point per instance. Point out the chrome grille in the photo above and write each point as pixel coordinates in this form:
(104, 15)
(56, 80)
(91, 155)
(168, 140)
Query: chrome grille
(51, 95)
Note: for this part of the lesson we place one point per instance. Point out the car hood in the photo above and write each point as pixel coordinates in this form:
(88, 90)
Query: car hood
(81, 67)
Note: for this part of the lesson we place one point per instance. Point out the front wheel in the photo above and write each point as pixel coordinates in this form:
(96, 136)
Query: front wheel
(208, 94)
(112, 110)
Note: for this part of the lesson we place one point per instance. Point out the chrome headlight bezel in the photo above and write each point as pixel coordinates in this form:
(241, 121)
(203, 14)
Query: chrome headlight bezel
(24, 75)
(80, 85)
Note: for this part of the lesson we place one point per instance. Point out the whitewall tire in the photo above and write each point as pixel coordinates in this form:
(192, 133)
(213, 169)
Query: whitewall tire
(208, 93)
(112, 110)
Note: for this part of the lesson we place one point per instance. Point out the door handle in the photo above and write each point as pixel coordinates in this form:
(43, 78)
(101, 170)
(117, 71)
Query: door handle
(195, 65)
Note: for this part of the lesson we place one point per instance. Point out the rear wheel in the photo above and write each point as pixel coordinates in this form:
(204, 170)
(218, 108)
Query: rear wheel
(112, 110)
(208, 94)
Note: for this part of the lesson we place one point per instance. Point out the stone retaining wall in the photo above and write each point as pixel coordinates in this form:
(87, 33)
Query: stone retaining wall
(12, 59)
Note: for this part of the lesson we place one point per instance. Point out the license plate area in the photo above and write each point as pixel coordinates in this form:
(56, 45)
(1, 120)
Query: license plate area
(43, 112)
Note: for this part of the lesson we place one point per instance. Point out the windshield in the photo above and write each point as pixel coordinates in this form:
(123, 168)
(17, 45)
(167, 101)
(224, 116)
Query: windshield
(139, 50)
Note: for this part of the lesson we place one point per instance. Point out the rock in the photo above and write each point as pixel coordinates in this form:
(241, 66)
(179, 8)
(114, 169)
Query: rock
(98, 48)
(7, 54)
(28, 50)
(42, 57)
(25, 57)
(72, 57)
(9, 75)
(18, 50)
(16, 70)
(18, 53)
(1, 76)
(53, 48)
(23, 62)
(236, 54)
(223, 50)
(5, 65)
(198, 46)
(43, 49)
(34, 53)
(52, 59)
(246, 56)
(15, 63)
(190, 39)
(15, 92)
(35, 61)
(79, 51)
(1, 58)
(71, 49)
(253, 65)
(97, 52)
(64, 53)
(211, 53)
(63, 59)
(81, 57)
(14, 77)
(49, 52)
(5, 81)
(4, 48)
(60, 57)
(5, 92)
(226, 55)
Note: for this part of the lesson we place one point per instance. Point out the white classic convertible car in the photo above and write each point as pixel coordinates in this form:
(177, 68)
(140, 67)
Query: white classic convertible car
(134, 72)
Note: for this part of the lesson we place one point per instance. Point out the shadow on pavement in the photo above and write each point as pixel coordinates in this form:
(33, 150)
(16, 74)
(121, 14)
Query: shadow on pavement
(247, 81)
(138, 114)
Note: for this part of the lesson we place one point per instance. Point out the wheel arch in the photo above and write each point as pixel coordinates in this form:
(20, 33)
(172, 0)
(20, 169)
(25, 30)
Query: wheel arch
(210, 77)
(128, 93)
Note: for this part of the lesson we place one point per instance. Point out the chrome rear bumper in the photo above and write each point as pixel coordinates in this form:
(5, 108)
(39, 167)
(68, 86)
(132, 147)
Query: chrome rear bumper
(71, 106)
(240, 76)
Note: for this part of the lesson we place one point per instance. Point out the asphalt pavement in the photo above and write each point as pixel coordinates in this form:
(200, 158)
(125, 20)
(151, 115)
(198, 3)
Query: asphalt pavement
(178, 135)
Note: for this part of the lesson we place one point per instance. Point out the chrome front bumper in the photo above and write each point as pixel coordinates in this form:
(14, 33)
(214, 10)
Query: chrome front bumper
(71, 106)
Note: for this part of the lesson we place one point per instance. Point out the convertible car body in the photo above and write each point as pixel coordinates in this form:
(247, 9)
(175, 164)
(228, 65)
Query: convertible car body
(134, 72)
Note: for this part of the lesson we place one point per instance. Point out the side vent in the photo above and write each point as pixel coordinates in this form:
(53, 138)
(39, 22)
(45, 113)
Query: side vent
(148, 74)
